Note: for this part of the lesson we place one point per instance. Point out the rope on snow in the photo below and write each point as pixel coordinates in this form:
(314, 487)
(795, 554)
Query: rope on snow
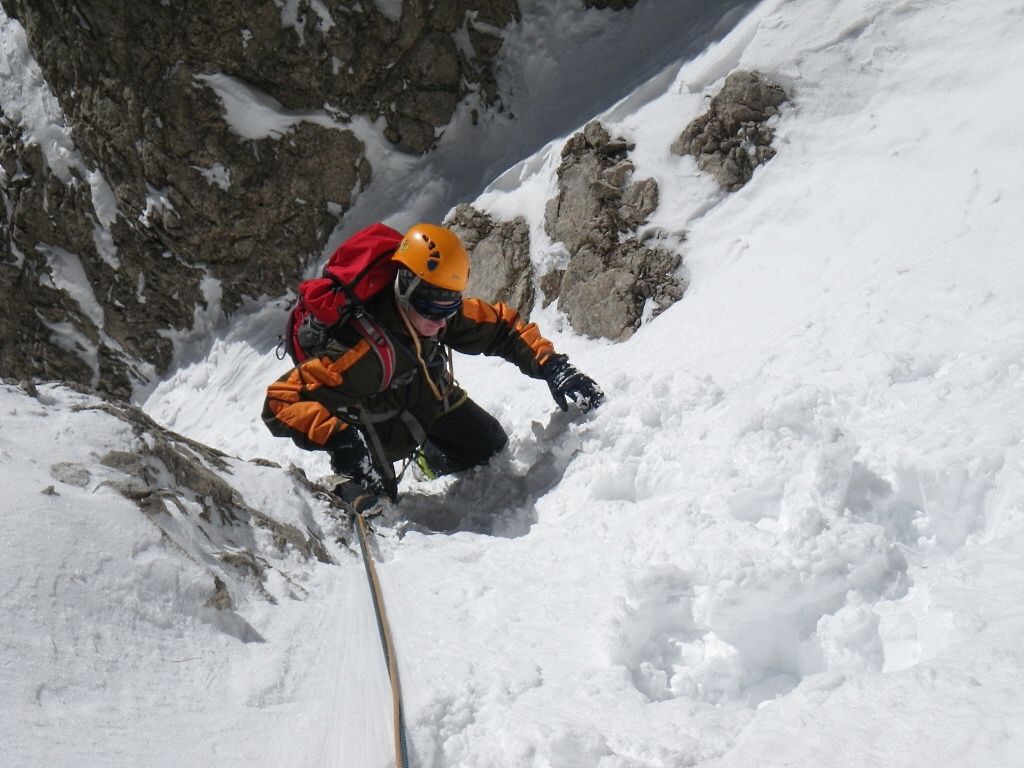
(401, 750)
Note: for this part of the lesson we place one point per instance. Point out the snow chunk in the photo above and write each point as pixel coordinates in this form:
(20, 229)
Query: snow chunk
(68, 274)
(28, 102)
(292, 16)
(217, 174)
(390, 8)
(252, 114)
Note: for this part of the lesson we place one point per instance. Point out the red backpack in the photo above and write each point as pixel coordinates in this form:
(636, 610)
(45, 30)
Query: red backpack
(358, 270)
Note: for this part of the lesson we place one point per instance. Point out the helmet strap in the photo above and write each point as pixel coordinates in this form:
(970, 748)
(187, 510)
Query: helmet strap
(404, 296)
(419, 348)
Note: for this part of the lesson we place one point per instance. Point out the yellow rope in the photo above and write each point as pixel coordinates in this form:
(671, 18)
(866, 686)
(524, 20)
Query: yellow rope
(401, 758)
(423, 363)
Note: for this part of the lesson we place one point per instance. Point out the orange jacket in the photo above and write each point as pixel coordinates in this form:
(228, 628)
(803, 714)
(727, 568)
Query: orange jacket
(314, 403)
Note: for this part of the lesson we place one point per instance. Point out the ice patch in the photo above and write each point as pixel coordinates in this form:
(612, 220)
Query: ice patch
(252, 114)
(68, 275)
(217, 174)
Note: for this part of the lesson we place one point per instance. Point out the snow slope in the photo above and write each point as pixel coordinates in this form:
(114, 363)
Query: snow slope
(792, 536)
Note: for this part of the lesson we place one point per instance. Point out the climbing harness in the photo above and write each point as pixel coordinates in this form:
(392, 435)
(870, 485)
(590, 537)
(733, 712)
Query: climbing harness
(401, 750)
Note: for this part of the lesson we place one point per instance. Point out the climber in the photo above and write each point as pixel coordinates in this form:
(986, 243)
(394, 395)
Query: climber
(335, 401)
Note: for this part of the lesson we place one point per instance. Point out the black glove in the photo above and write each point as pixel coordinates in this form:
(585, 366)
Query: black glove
(565, 381)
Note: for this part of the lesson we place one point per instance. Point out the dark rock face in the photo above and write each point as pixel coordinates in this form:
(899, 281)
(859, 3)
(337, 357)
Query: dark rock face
(192, 207)
(347, 57)
(500, 258)
(611, 274)
(615, 5)
(731, 139)
(44, 331)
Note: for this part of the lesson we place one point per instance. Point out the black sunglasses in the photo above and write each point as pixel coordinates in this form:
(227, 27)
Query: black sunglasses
(432, 310)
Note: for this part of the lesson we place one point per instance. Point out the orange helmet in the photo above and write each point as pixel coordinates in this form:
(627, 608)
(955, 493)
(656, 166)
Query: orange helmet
(436, 256)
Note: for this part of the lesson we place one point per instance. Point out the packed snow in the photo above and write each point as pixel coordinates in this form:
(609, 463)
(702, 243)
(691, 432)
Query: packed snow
(791, 537)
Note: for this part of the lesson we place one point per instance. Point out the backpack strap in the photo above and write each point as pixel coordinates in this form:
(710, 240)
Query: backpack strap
(379, 342)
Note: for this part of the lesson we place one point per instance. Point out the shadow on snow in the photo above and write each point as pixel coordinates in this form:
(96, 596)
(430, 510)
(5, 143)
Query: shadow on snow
(498, 499)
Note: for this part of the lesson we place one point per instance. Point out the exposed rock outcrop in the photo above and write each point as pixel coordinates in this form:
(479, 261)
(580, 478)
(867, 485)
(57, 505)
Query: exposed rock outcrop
(500, 253)
(168, 471)
(614, 5)
(611, 274)
(732, 139)
(223, 514)
(44, 331)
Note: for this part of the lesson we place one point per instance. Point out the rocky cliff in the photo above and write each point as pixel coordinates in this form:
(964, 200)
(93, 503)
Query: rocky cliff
(171, 205)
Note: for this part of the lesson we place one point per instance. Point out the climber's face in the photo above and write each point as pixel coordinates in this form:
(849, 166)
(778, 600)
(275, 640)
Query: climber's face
(426, 326)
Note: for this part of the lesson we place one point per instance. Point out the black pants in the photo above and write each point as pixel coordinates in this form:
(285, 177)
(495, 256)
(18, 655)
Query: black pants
(467, 436)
